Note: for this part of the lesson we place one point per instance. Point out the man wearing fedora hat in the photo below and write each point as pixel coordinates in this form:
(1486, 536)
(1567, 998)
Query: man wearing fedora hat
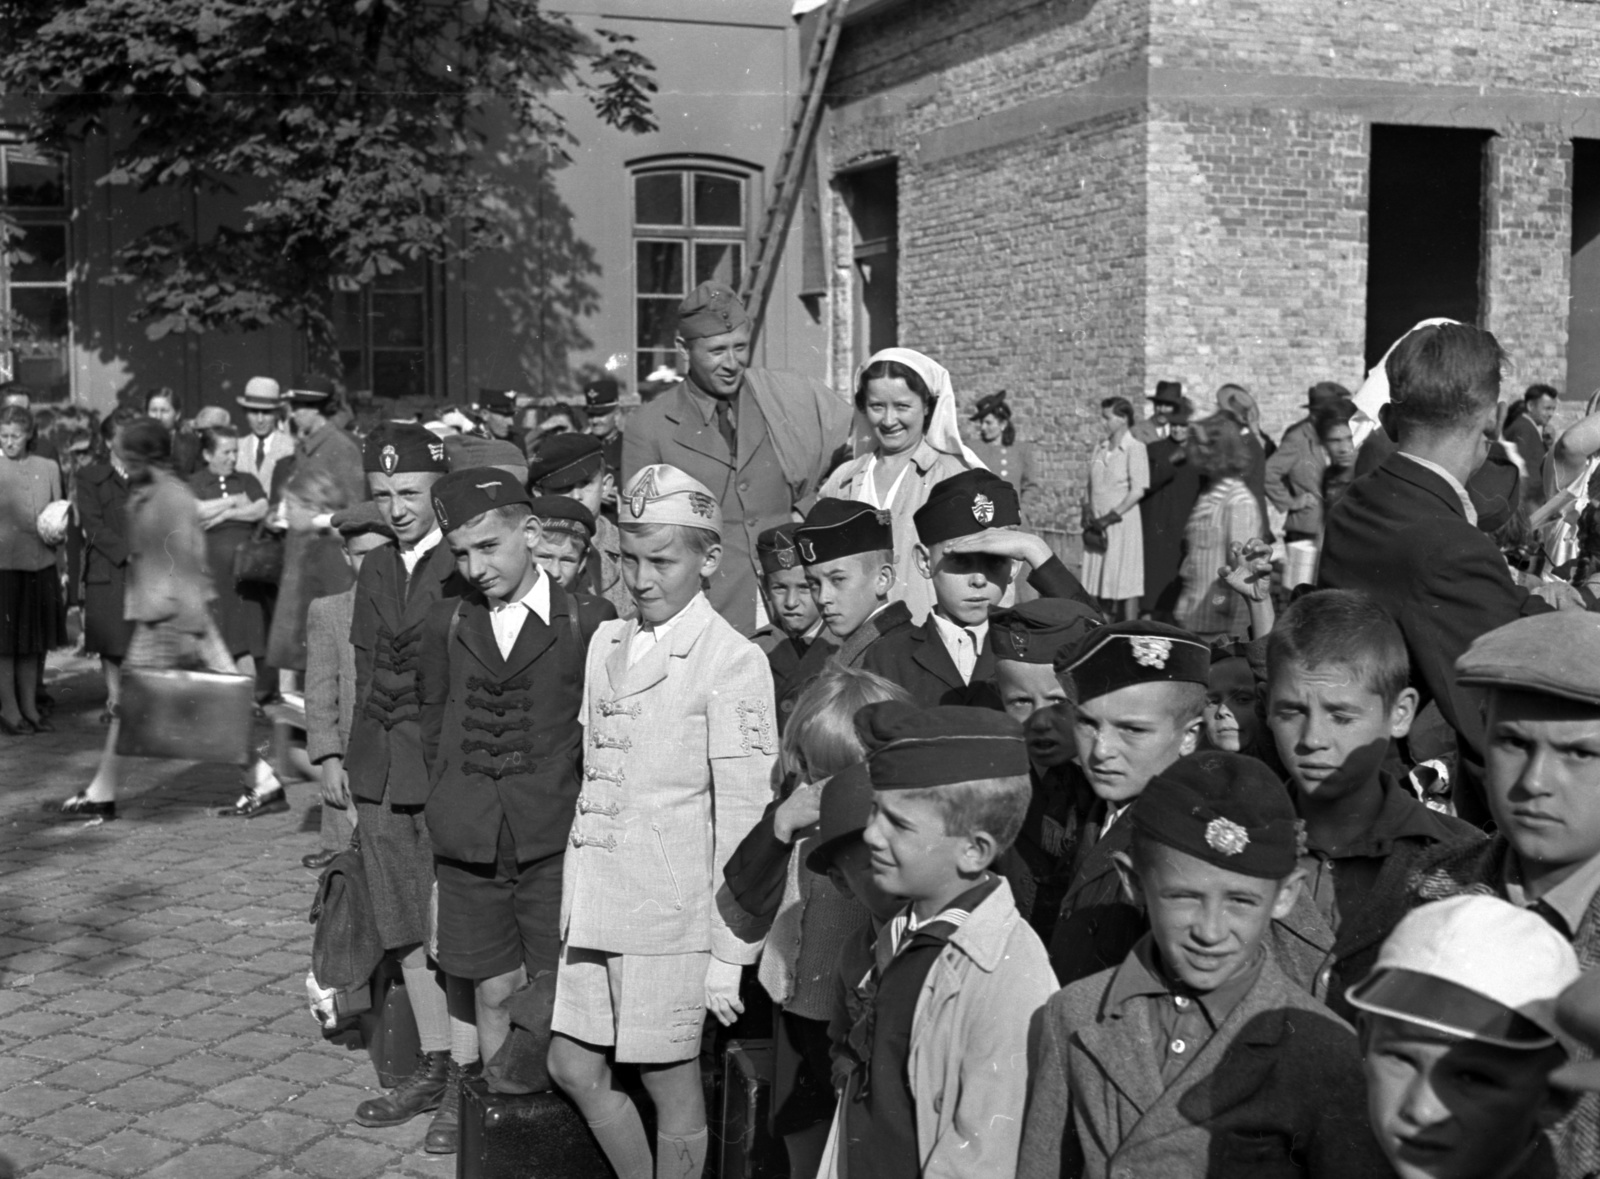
(268, 443)
(1167, 397)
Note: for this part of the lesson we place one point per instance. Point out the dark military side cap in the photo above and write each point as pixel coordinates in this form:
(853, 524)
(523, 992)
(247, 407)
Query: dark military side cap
(1554, 654)
(601, 396)
(846, 808)
(403, 448)
(497, 400)
(775, 549)
(563, 514)
(837, 528)
(1224, 808)
(462, 496)
(710, 310)
(1037, 631)
(565, 460)
(966, 503)
(912, 748)
(1141, 652)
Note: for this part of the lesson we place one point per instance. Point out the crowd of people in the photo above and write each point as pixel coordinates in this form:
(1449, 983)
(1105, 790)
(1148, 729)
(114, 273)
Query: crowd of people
(1267, 844)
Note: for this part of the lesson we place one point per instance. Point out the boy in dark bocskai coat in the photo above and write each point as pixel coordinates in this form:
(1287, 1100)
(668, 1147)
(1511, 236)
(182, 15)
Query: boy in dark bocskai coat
(1197, 1055)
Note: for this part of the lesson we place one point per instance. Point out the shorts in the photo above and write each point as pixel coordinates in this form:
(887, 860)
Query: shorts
(496, 917)
(650, 1007)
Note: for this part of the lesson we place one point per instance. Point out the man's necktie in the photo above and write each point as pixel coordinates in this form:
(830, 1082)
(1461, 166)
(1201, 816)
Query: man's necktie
(725, 427)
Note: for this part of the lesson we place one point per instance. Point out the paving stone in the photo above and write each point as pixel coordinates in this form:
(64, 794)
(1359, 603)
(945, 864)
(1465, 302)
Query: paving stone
(262, 1005)
(206, 1070)
(15, 999)
(28, 1151)
(343, 1158)
(85, 945)
(15, 1069)
(190, 1122)
(57, 982)
(334, 1103)
(237, 982)
(122, 1025)
(63, 1048)
(94, 1075)
(260, 1046)
(36, 962)
(125, 1153)
(34, 1101)
(154, 1050)
(80, 1124)
(37, 1023)
(214, 1027)
(254, 1092)
(58, 1171)
(309, 1068)
(211, 1161)
(90, 1001)
(177, 1004)
(278, 1133)
(143, 1094)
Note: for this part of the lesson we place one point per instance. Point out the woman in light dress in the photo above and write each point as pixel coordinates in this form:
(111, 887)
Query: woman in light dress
(1119, 477)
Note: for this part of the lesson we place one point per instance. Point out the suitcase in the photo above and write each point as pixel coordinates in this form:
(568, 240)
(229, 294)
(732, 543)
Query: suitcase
(748, 1148)
(389, 1027)
(186, 716)
(535, 1136)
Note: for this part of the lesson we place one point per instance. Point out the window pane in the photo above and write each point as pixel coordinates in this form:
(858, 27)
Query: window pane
(658, 199)
(355, 373)
(46, 250)
(34, 179)
(397, 321)
(398, 374)
(658, 323)
(657, 369)
(718, 200)
(719, 262)
(41, 339)
(410, 277)
(658, 268)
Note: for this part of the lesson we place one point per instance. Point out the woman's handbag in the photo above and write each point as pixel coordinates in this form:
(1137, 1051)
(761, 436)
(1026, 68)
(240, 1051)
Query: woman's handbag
(186, 716)
(259, 558)
(1094, 536)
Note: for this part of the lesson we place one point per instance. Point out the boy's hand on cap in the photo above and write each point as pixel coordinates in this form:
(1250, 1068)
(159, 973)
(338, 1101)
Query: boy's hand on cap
(797, 812)
(1002, 542)
(722, 991)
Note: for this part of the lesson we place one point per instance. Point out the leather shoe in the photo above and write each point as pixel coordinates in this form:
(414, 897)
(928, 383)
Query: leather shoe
(444, 1133)
(318, 860)
(250, 805)
(80, 806)
(422, 1092)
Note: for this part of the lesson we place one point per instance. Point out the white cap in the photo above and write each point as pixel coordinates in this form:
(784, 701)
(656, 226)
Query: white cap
(662, 494)
(1476, 967)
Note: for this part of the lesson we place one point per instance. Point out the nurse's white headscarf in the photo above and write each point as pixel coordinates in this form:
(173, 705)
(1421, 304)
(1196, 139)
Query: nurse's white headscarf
(1374, 392)
(943, 432)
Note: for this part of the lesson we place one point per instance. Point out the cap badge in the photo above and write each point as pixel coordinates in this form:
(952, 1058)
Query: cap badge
(438, 511)
(982, 509)
(436, 451)
(492, 490)
(883, 517)
(701, 504)
(1019, 643)
(784, 557)
(1227, 837)
(1149, 651)
(388, 459)
(808, 552)
(643, 492)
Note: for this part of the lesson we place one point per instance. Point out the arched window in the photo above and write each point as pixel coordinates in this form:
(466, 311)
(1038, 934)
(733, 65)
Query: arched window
(691, 224)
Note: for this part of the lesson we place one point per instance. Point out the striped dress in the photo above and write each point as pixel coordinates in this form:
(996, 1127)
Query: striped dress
(1225, 512)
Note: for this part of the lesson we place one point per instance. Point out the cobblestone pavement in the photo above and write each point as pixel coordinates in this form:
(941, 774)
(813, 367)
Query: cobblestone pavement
(153, 1016)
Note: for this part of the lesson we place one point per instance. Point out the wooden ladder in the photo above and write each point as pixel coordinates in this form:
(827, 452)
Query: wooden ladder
(791, 170)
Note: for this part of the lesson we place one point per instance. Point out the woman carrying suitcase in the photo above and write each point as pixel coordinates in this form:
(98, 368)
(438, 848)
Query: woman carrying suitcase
(169, 602)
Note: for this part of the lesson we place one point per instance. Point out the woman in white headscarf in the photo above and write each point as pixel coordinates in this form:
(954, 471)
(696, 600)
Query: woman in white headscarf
(908, 406)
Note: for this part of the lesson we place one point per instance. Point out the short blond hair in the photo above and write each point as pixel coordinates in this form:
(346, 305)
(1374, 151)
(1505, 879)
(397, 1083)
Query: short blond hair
(996, 806)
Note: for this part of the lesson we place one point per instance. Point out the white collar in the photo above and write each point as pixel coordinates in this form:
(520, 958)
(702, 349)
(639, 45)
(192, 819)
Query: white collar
(426, 545)
(535, 598)
(1455, 485)
(954, 632)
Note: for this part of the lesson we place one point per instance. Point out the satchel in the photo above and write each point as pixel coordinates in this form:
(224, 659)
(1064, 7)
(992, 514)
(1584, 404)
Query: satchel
(345, 949)
(259, 558)
(186, 716)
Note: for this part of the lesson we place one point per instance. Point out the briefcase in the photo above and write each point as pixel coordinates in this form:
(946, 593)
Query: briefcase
(532, 1136)
(186, 716)
(390, 1027)
(749, 1149)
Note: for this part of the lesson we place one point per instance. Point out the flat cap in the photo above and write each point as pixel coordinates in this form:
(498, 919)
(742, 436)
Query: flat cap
(837, 528)
(497, 400)
(563, 514)
(912, 748)
(462, 496)
(1472, 966)
(403, 448)
(309, 389)
(662, 494)
(966, 503)
(846, 808)
(601, 396)
(566, 460)
(1554, 654)
(1140, 652)
(710, 310)
(1036, 631)
(361, 518)
(1224, 808)
(775, 549)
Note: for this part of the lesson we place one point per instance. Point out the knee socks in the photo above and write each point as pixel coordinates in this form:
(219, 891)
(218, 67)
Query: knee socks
(681, 1156)
(621, 1136)
(427, 1001)
(463, 1019)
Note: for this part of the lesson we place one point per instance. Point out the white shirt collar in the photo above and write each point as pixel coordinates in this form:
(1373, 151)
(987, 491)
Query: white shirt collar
(1455, 485)
(535, 598)
(964, 643)
(412, 557)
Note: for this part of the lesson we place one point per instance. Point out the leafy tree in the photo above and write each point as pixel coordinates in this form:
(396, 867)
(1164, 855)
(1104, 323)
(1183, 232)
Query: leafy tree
(359, 135)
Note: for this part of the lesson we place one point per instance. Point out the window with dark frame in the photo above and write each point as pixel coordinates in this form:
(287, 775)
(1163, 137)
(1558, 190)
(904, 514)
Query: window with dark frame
(690, 225)
(36, 271)
(385, 332)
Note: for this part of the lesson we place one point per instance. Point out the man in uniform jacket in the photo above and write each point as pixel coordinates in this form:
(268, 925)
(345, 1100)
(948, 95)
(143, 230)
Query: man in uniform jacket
(1407, 534)
(761, 441)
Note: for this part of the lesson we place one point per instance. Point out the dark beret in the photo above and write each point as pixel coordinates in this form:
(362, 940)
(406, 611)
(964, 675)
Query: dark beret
(1142, 652)
(361, 518)
(309, 389)
(1553, 654)
(966, 503)
(1224, 808)
(403, 448)
(462, 496)
(602, 396)
(1036, 631)
(846, 807)
(710, 310)
(912, 748)
(837, 528)
(562, 513)
(775, 549)
(994, 403)
(566, 460)
(497, 400)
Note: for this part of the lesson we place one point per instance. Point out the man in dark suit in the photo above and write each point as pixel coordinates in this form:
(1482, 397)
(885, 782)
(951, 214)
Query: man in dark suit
(762, 441)
(1407, 534)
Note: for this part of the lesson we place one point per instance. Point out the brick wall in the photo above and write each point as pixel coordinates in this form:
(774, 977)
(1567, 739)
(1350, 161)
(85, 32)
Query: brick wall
(1528, 243)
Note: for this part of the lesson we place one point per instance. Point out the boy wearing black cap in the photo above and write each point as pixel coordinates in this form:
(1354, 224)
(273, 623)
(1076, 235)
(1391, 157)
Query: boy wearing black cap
(946, 659)
(959, 977)
(792, 612)
(573, 465)
(1139, 689)
(566, 529)
(1197, 1055)
(1025, 640)
(397, 587)
(501, 682)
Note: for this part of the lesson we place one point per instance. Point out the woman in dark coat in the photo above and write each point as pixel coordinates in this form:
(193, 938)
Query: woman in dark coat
(230, 506)
(102, 501)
